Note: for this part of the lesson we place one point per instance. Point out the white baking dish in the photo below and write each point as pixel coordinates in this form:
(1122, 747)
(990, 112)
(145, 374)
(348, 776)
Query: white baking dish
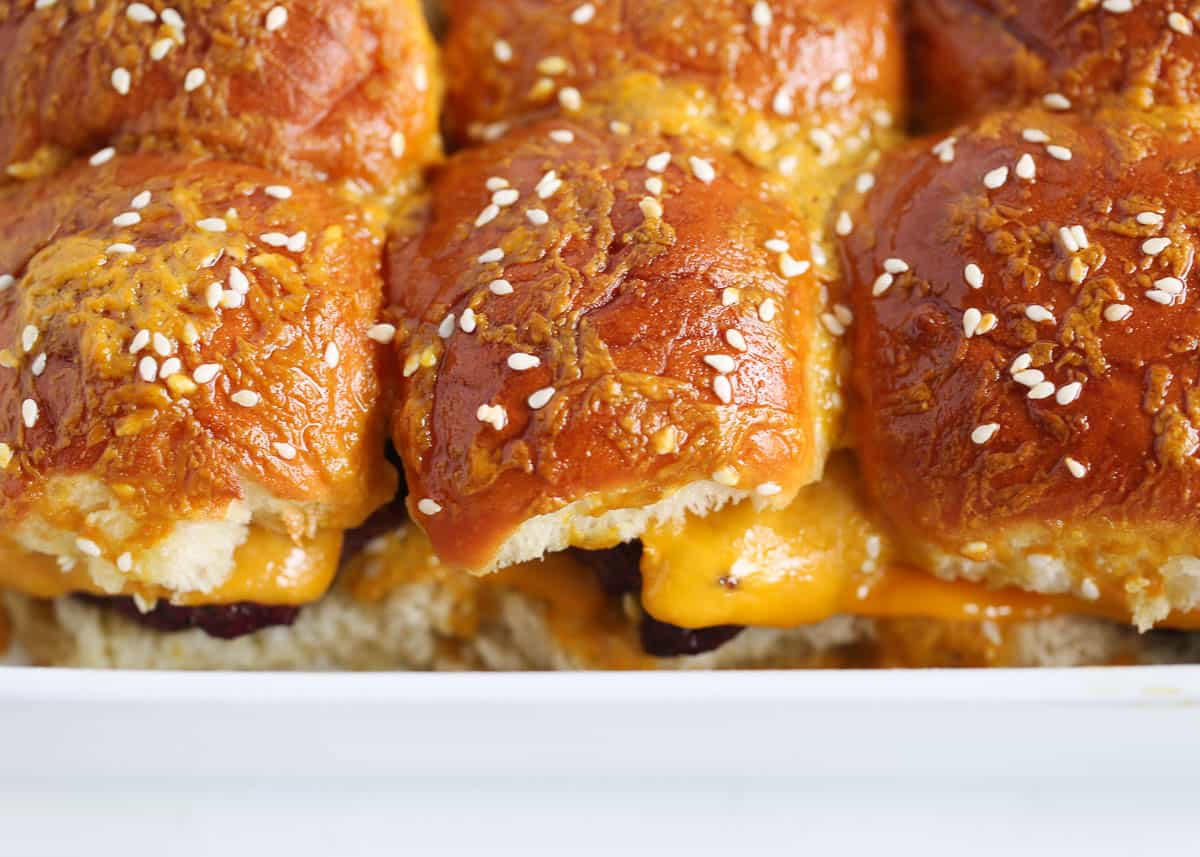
(71, 723)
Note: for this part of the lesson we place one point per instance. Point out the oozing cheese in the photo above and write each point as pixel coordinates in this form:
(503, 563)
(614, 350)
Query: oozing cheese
(269, 568)
(823, 555)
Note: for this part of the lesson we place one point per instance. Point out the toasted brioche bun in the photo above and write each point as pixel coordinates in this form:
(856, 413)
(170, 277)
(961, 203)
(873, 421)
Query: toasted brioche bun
(147, 427)
(1054, 448)
(338, 88)
(617, 356)
(970, 57)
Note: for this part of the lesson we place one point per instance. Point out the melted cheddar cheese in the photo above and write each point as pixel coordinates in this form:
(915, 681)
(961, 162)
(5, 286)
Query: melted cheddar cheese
(269, 568)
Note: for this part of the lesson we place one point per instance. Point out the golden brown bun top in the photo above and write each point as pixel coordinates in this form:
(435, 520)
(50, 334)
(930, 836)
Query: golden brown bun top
(971, 56)
(823, 62)
(116, 364)
(344, 88)
(1086, 266)
(620, 305)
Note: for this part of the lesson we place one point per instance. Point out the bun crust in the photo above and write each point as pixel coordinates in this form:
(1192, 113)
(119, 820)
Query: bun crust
(343, 88)
(970, 57)
(1064, 427)
(87, 392)
(620, 295)
(701, 68)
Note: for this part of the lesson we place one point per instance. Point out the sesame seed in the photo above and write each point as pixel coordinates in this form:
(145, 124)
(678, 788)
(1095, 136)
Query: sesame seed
(246, 398)
(621, 129)
(864, 183)
(397, 143)
(1038, 313)
(1080, 236)
(491, 256)
(1117, 7)
(973, 274)
(29, 413)
(842, 81)
(552, 65)
(6, 281)
(278, 191)
(983, 433)
(548, 185)
(986, 324)
(88, 547)
(173, 19)
(537, 217)
(162, 345)
(561, 135)
(1059, 153)
(521, 362)
(822, 139)
(274, 239)
(194, 79)
(125, 562)
(726, 476)
(540, 398)
(120, 249)
(467, 322)
(730, 296)
(213, 294)
(970, 321)
(994, 179)
(39, 365)
(488, 215)
(944, 150)
(1170, 285)
(1150, 218)
(495, 415)
(1117, 312)
(495, 183)
(446, 328)
(500, 287)
(502, 51)
(1067, 238)
(1043, 390)
(1029, 377)
(121, 80)
(832, 324)
(382, 333)
(1078, 470)
(654, 184)
(768, 489)
(212, 224)
(782, 103)
(298, 243)
(1154, 246)
(1021, 363)
(427, 506)
(506, 197)
(140, 340)
(702, 169)
(1035, 135)
(791, 268)
(735, 339)
(238, 281)
(277, 19)
(760, 14)
(767, 309)
(1179, 23)
(148, 369)
(777, 245)
(882, 283)
(140, 13)
(1068, 393)
(843, 314)
(722, 363)
(658, 163)
(102, 157)
(1026, 168)
(651, 208)
(161, 48)
(284, 450)
(844, 225)
(1087, 587)
(583, 14)
(170, 366)
(570, 98)
(140, 201)
(1160, 297)
(205, 373)
(43, 4)
(332, 355)
(29, 337)
(723, 389)
(1056, 101)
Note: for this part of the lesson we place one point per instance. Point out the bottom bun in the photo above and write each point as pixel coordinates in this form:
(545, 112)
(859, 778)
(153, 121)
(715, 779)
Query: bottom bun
(416, 628)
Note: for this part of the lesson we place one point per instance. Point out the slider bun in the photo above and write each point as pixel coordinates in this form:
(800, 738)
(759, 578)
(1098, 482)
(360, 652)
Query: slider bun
(1085, 482)
(101, 446)
(621, 307)
(322, 95)
(700, 68)
(971, 57)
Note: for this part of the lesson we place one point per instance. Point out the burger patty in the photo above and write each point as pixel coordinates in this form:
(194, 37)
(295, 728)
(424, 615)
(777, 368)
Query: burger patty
(223, 621)
(619, 571)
